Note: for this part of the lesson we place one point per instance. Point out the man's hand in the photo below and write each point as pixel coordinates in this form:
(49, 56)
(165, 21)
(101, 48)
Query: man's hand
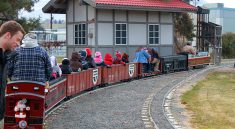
(47, 87)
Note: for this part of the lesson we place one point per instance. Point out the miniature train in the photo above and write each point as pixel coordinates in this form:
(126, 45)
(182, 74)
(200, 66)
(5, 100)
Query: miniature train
(27, 103)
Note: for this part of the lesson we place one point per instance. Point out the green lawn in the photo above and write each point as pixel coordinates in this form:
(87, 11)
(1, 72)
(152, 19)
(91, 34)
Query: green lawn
(212, 102)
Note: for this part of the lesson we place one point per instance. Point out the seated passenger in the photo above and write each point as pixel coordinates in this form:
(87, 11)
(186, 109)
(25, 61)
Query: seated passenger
(98, 59)
(83, 55)
(125, 57)
(118, 58)
(76, 62)
(30, 62)
(189, 49)
(65, 67)
(89, 58)
(108, 59)
(143, 57)
(155, 59)
(56, 71)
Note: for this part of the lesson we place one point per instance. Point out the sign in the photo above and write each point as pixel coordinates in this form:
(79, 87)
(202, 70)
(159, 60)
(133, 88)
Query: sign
(95, 76)
(131, 69)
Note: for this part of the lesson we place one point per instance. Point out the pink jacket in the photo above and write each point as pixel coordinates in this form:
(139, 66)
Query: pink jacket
(98, 57)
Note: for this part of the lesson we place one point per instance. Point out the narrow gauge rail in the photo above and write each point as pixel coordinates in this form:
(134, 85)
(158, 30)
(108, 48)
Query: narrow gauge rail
(27, 103)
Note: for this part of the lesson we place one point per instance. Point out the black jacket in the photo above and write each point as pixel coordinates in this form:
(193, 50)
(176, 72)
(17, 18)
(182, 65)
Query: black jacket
(3, 81)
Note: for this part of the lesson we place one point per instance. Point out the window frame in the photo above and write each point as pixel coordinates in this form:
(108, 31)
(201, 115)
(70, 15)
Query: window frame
(154, 36)
(81, 37)
(121, 32)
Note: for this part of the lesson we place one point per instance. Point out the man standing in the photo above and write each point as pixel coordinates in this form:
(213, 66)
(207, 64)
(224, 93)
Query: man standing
(11, 33)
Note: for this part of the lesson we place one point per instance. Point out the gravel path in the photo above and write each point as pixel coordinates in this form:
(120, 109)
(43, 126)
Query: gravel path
(118, 106)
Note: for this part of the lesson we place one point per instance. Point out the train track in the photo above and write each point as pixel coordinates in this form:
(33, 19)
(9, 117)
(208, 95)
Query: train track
(167, 100)
(152, 107)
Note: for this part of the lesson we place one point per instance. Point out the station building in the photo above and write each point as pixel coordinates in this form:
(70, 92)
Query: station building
(124, 25)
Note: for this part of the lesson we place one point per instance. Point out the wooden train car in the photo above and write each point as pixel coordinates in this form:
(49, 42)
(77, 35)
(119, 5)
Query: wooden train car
(56, 93)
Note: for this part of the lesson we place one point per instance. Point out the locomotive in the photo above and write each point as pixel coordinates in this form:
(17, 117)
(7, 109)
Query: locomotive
(27, 102)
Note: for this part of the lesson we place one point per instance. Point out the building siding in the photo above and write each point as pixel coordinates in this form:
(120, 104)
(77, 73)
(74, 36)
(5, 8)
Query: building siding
(120, 16)
(137, 16)
(153, 17)
(166, 34)
(105, 34)
(100, 29)
(137, 34)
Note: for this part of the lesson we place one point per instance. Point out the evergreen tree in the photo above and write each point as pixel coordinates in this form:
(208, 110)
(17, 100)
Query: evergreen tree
(228, 45)
(10, 8)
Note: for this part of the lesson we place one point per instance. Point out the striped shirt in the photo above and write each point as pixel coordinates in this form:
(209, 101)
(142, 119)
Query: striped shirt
(31, 64)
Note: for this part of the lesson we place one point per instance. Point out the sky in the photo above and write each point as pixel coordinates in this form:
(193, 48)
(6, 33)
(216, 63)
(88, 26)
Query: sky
(227, 3)
(38, 9)
(38, 12)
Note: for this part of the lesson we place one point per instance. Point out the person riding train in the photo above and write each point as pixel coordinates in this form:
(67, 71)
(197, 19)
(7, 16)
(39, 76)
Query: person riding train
(188, 48)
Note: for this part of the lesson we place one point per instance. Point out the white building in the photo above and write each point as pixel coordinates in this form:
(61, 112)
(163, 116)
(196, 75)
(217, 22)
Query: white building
(109, 25)
(222, 16)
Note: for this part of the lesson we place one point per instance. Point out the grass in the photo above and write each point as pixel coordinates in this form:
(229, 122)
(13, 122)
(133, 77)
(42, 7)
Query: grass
(212, 102)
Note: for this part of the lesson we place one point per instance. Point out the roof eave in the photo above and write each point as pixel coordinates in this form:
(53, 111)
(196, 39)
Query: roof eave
(102, 6)
(54, 6)
(90, 2)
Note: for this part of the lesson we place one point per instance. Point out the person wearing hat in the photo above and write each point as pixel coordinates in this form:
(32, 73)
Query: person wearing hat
(11, 33)
(89, 58)
(189, 49)
(30, 62)
(65, 67)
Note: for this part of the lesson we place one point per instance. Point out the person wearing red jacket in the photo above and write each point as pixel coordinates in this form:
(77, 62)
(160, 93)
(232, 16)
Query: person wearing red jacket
(108, 59)
(118, 58)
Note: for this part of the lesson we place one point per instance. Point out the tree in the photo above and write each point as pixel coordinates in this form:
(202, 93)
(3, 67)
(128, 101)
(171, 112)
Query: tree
(10, 8)
(184, 25)
(183, 30)
(30, 24)
(228, 45)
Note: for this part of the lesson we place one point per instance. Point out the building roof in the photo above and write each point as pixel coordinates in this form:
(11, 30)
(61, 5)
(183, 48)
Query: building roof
(158, 5)
(146, 5)
(55, 6)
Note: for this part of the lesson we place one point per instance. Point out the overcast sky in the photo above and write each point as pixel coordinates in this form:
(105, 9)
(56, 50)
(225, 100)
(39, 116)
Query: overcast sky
(38, 8)
(38, 12)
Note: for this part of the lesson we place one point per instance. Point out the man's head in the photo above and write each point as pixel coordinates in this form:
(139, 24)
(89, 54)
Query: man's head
(30, 40)
(11, 33)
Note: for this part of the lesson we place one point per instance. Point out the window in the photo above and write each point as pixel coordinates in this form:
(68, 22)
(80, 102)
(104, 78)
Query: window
(153, 34)
(120, 33)
(80, 34)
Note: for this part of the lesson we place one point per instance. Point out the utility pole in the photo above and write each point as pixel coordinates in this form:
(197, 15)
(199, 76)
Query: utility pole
(51, 21)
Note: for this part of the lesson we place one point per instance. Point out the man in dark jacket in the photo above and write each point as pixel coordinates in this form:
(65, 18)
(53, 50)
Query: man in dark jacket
(11, 33)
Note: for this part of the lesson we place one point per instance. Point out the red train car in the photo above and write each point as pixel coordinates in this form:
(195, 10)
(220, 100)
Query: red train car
(201, 59)
(80, 81)
(24, 105)
(56, 93)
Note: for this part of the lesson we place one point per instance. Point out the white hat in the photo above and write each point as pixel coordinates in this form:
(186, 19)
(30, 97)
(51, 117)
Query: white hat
(30, 40)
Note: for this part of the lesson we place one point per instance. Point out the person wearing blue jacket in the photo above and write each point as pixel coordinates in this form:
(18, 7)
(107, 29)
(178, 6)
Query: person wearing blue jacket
(143, 57)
